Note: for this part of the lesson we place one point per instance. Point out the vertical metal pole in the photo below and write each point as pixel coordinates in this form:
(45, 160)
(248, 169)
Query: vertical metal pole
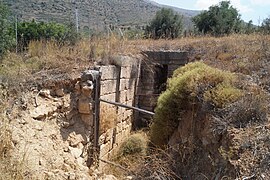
(97, 111)
(16, 32)
(77, 20)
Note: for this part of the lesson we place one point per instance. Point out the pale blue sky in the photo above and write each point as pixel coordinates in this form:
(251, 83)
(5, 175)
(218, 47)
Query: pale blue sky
(255, 10)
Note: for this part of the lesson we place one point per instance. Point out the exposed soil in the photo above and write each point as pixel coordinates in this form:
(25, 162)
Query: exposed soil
(207, 147)
(49, 139)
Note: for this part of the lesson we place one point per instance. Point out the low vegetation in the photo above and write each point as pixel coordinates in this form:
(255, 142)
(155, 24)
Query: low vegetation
(193, 84)
(166, 24)
(36, 31)
(196, 86)
(135, 144)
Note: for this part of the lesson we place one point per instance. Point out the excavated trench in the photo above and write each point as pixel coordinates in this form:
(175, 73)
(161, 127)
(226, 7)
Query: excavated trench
(53, 129)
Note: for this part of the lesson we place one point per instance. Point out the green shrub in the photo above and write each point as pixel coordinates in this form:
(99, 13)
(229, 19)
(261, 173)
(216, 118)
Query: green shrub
(190, 87)
(33, 31)
(135, 144)
(223, 94)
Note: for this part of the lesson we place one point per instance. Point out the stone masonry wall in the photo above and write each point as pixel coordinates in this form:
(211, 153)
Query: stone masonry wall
(118, 84)
(130, 82)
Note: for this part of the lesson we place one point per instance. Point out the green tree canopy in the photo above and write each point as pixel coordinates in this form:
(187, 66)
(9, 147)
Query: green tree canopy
(6, 39)
(219, 19)
(166, 24)
(28, 31)
(265, 27)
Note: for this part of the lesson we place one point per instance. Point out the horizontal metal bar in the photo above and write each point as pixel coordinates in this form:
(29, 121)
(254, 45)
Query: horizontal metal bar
(147, 94)
(128, 107)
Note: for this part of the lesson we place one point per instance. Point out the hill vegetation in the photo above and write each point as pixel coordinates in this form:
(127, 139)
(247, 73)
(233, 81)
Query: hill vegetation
(94, 14)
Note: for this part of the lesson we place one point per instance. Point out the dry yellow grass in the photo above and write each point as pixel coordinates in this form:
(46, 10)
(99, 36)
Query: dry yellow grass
(131, 155)
(237, 53)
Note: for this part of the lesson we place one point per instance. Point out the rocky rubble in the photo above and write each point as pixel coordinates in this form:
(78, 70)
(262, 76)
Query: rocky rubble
(53, 142)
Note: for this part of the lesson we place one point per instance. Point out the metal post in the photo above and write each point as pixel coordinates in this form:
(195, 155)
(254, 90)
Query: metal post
(77, 20)
(16, 32)
(97, 109)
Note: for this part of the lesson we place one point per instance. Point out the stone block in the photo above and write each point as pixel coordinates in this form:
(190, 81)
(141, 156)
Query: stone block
(87, 119)
(127, 73)
(104, 149)
(109, 135)
(182, 57)
(102, 138)
(120, 137)
(85, 106)
(128, 114)
(123, 96)
(87, 90)
(119, 127)
(124, 125)
(123, 84)
(131, 84)
(130, 94)
(120, 118)
(109, 97)
(108, 72)
(108, 87)
(129, 103)
(126, 61)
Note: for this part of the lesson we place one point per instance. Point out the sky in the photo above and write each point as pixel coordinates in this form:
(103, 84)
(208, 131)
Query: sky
(255, 10)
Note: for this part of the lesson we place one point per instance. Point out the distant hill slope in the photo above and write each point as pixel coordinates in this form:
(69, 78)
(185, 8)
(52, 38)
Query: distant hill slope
(93, 14)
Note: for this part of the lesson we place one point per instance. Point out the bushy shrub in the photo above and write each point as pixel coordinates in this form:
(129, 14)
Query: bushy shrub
(135, 144)
(33, 31)
(190, 87)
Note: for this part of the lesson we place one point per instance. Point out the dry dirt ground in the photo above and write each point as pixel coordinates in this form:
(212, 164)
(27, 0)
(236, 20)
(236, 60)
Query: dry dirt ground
(49, 142)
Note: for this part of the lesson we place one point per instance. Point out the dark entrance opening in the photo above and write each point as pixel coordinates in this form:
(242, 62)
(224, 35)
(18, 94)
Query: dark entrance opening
(161, 76)
(156, 68)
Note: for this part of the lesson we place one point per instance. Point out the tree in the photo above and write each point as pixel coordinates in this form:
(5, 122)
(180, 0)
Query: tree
(166, 24)
(219, 19)
(249, 28)
(6, 38)
(33, 31)
(265, 27)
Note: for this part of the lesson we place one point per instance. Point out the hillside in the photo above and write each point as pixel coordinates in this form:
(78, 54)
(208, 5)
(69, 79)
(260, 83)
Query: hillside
(94, 14)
